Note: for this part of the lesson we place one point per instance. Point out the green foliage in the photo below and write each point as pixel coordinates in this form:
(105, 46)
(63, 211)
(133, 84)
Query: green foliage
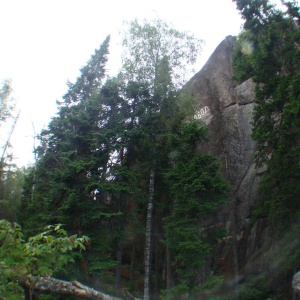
(211, 283)
(166, 50)
(242, 57)
(8, 119)
(254, 12)
(158, 67)
(83, 175)
(96, 155)
(6, 102)
(11, 194)
(197, 189)
(274, 64)
(91, 76)
(40, 255)
(10, 176)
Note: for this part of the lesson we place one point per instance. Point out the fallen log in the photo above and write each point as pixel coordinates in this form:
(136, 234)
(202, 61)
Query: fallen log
(61, 287)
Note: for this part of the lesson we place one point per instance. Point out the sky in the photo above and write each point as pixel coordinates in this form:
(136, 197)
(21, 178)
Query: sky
(44, 43)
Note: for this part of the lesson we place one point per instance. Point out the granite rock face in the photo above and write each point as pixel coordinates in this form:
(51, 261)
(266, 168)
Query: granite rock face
(227, 109)
(296, 283)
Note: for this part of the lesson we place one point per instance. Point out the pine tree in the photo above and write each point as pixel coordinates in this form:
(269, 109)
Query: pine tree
(197, 189)
(90, 78)
(273, 61)
(77, 162)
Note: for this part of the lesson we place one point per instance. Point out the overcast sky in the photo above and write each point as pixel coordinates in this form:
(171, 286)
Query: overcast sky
(44, 43)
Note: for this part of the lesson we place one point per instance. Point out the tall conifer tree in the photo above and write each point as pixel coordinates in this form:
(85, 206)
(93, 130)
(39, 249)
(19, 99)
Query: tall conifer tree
(78, 159)
(269, 50)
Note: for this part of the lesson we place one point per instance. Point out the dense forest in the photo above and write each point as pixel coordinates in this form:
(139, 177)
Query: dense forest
(116, 198)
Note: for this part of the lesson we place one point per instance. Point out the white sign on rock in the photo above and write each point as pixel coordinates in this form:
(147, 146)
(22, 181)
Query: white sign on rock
(201, 113)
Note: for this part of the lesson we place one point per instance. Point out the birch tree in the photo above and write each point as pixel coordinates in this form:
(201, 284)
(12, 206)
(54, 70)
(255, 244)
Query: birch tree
(8, 175)
(159, 56)
(7, 107)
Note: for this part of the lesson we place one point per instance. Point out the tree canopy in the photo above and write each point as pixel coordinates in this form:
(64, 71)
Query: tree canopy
(114, 150)
(10, 176)
(268, 52)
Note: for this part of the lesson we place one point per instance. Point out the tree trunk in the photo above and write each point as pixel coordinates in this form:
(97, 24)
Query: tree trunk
(132, 263)
(9, 137)
(119, 269)
(155, 242)
(148, 237)
(169, 270)
(235, 247)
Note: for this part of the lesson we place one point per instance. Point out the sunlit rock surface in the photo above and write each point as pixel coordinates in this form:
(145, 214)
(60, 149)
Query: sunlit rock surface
(229, 108)
(296, 283)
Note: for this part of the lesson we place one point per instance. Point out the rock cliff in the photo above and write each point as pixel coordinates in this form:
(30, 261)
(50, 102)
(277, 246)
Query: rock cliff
(251, 251)
(227, 109)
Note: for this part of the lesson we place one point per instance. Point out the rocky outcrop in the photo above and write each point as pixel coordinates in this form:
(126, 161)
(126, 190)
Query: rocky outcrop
(296, 283)
(227, 109)
(251, 253)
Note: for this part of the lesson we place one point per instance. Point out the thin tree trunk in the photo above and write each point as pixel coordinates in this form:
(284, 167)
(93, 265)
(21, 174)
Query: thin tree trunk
(119, 269)
(169, 269)
(9, 137)
(148, 237)
(2, 159)
(235, 248)
(122, 205)
(35, 160)
(1, 180)
(155, 243)
(132, 263)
